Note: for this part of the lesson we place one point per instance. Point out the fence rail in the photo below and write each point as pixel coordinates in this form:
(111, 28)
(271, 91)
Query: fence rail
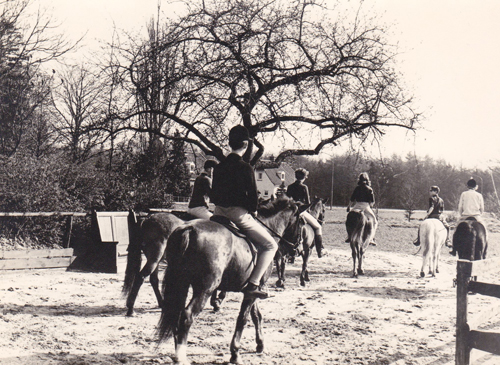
(467, 338)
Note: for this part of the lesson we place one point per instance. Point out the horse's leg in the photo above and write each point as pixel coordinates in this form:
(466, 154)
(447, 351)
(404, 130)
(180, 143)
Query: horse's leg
(354, 250)
(280, 269)
(257, 321)
(194, 307)
(147, 270)
(304, 275)
(155, 283)
(216, 300)
(361, 254)
(242, 320)
(425, 259)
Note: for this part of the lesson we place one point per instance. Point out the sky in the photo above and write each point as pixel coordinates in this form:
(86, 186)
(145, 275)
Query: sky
(448, 55)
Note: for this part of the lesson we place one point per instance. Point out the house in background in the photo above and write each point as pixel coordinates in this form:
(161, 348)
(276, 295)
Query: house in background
(270, 176)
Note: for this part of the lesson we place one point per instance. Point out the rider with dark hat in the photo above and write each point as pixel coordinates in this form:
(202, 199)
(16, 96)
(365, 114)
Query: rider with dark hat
(234, 193)
(299, 192)
(471, 205)
(436, 208)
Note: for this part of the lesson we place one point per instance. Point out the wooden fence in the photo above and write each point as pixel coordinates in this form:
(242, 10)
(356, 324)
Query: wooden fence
(467, 337)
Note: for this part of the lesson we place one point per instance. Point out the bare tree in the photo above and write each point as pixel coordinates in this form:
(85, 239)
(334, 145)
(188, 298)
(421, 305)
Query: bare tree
(275, 68)
(80, 103)
(27, 41)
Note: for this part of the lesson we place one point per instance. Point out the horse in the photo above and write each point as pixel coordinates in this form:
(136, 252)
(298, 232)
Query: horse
(206, 256)
(432, 238)
(360, 230)
(469, 240)
(151, 239)
(317, 210)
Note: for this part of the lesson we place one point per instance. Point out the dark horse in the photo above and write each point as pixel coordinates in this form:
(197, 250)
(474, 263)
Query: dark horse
(151, 239)
(469, 240)
(317, 210)
(360, 230)
(206, 256)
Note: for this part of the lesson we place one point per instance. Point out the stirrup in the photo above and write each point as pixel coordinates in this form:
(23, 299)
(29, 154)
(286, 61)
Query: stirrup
(252, 291)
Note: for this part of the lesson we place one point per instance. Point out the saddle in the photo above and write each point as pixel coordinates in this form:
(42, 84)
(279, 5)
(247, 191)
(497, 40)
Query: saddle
(226, 222)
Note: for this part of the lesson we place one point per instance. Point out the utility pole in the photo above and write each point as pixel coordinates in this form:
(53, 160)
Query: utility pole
(494, 186)
(331, 190)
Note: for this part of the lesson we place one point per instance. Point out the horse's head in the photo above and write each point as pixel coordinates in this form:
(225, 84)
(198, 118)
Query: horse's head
(317, 209)
(283, 216)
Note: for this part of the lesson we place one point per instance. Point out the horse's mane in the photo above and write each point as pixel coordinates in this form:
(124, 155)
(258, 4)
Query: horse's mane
(273, 207)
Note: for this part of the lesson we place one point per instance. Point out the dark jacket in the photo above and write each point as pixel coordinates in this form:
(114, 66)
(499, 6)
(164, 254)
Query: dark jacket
(201, 191)
(233, 184)
(438, 207)
(298, 192)
(363, 194)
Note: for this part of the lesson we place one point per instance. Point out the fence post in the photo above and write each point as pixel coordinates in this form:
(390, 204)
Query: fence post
(67, 233)
(462, 355)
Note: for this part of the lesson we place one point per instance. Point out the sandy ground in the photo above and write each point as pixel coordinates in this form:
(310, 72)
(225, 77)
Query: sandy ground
(388, 316)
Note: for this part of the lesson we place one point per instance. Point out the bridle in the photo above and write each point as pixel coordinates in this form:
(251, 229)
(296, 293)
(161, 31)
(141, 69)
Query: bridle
(298, 227)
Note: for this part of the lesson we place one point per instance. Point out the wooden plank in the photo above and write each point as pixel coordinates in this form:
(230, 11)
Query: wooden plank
(462, 353)
(35, 263)
(20, 254)
(465, 267)
(482, 267)
(42, 214)
(485, 341)
(491, 290)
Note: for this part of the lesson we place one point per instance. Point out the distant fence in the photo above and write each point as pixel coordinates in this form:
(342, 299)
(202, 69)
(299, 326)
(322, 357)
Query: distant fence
(467, 338)
(110, 235)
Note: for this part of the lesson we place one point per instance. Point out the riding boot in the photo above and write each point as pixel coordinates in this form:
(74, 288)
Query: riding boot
(448, 241)
(318, 242)
(252, 291)
(417, 241)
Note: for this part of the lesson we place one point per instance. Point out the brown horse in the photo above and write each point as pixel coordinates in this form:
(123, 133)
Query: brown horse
(360, 229)
(317, 210)
(469, 240)
(205, 256)
(152, 240)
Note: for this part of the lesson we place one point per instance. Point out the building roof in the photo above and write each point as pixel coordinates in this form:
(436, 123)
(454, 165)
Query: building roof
(273, 171)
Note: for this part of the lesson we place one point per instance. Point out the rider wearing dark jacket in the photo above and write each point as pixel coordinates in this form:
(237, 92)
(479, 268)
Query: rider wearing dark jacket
(234, 193)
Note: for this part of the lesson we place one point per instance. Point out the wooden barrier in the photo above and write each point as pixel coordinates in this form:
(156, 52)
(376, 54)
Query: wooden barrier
(36, 259)
(467, 338)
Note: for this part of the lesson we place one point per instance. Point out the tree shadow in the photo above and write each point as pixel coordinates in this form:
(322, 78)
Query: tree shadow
(69, 310)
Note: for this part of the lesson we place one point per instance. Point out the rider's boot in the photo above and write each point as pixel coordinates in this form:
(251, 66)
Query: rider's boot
(253, 291)
(318, 242)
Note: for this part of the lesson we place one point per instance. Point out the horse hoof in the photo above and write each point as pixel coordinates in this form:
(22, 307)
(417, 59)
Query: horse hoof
(260, 348)
(361, 272)
(422, 274)
(437, 271)
(130, 313)
(302, 283)
(280, 284)
(306, 278)
(355, 275)
(235, 359)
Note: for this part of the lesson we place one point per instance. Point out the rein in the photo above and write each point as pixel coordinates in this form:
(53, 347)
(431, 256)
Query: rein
(293, 245)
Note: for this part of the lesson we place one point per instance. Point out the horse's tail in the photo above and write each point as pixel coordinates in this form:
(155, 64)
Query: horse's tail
(176, 283)
(134, 263)
(358, 234)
